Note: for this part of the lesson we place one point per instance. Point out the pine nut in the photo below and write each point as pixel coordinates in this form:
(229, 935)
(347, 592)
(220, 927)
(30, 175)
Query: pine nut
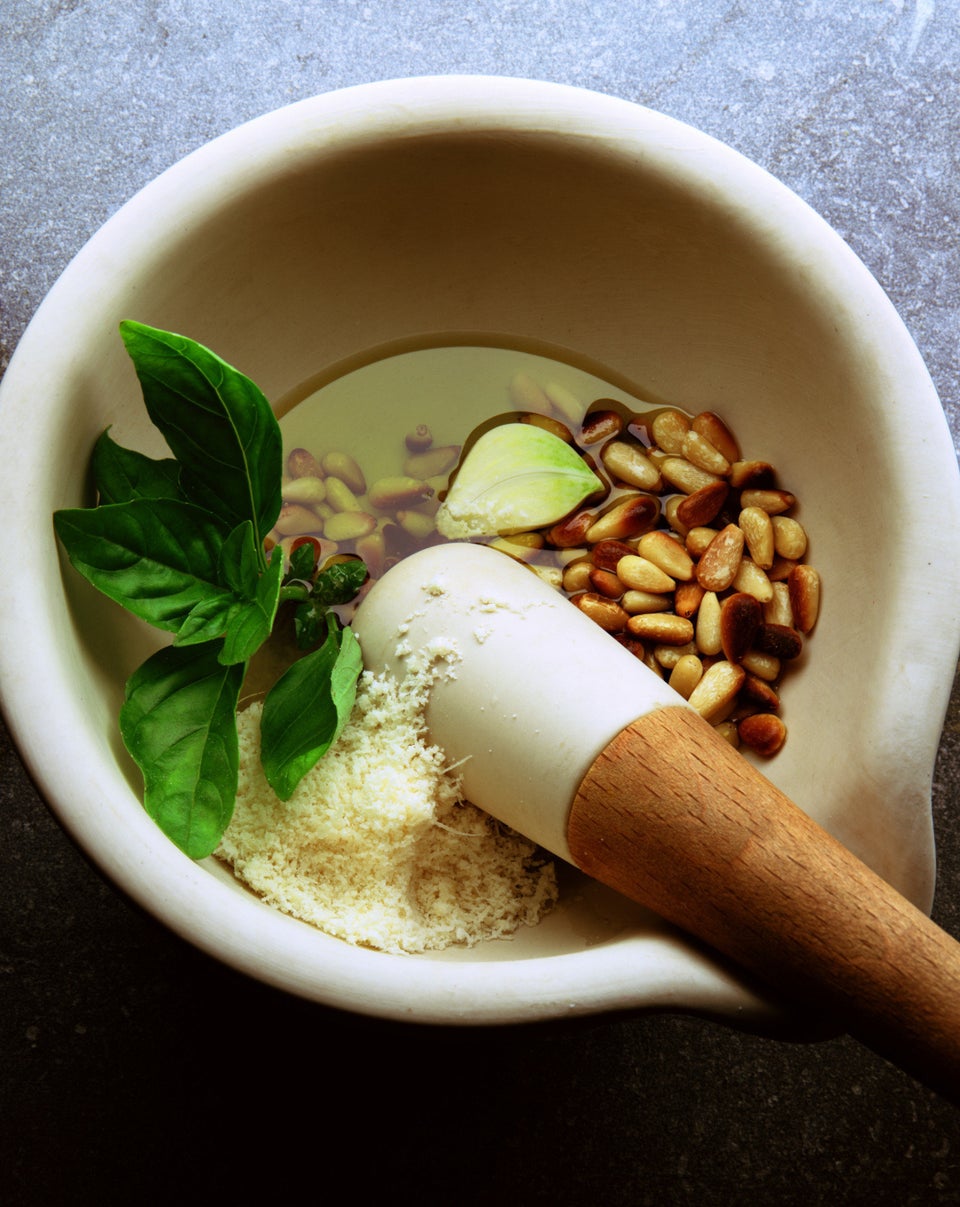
(671, 513)
(571, 532)
(372, 550)
(778, 609)
(720, 561)
(607, 613)
(669, 428)
(703, 506)
(764, 666)
(740, 618)
(349, 525)
(629, 517)
(759, 533)
(774, 502)
(549, 424)
(667, 553)
(607, 554)
(747, 475)
(567, 405)
(527, 394)
(757, 693)
(665, 628)
(708, 625)
(302, 464)
(749, 577)
(600, 425)
(419, 440)
(790, 538)
(763, 732)
(687, 598)
(340, 496)
(606, 582)
(686, 675)
(700, 452)
(717, 690)
(343, 466)
(389, 494)
(728, 731)
(804, 587)
(686, 476)
(295, 519)
(630, 464)
(432, 462)
(782, 642)
(306, 489)
(698, 540)
(640, 574)
(668, 656)
(576, 576)
(637, 602)
(709, 425)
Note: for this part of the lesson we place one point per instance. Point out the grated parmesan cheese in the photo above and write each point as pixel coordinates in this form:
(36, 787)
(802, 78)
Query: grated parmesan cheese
(376, 846)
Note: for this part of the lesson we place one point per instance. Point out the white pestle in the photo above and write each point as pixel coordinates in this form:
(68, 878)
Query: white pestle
(570, 739)
(532, 695)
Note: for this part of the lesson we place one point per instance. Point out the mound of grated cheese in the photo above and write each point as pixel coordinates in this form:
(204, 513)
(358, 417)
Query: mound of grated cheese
(376, 846)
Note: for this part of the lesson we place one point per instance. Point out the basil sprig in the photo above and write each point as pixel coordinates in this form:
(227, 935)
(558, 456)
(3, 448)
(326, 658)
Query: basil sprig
(180, 543)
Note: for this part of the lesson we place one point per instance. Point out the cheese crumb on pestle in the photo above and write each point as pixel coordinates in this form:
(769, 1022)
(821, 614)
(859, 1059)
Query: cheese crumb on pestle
(376, 846)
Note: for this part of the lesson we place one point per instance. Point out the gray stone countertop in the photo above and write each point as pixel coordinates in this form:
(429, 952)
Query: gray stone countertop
(131, 1066)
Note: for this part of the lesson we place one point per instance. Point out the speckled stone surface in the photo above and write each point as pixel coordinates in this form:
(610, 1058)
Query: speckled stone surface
(132, 1068)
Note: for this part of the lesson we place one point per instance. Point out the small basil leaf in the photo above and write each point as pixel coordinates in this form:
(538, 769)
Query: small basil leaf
(307, 708)
(339, 583)
(178, 721)
(309, 623)
(217, 422)
(303, 562)
(239, 564)
(122, 474)
(158, 558)
(250, 623)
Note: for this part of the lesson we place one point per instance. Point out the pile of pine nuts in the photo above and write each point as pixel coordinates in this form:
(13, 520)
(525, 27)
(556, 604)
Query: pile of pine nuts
(689, 556)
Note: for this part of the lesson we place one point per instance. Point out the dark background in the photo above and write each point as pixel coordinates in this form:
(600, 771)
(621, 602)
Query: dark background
(134, 1069)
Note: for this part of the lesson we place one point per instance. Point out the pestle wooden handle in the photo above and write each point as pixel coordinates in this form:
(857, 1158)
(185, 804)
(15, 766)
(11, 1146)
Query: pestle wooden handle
(671, 816)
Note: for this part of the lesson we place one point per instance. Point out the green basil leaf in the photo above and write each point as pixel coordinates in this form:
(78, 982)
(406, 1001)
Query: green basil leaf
(217, 422)
(158, 558)
(303, 562)
(178, 721)
(339, 583)
(307, 707)
(121, 474)
(249, 624)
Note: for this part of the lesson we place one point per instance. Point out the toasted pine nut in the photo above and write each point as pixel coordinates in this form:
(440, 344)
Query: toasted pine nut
(576, 576)
(774, 502)
(551, 575)
(606, 582)
(779, 572)
(432, 462)
(757, 693)
(804, 586)
(717, 690)
(306, 489)
(740, 618)
(419, 524)
(686, 476)
(759, 533)
(777, 610)
(790, 538)
(302, 464)
(665, 628)
(686, 675)
(671, 513)
(389, 494)
(749, 577)
(711, 427)
(630, 464)
(600, 425)
(698, 540)
(607, 554)
(703, 506)
(708, 625)
(782, 642)
(637, 602)
(764, 666)
(687, 597)
(295, 519)
(549, 424)
(720, 561)
(700, 452)
(571, 532)
(668, 656)
(669, 428)
(349, 525)
(763, 732)
(607, 613)
(745, 475)
(728, 731)
(640, 574)
(343, 466)
(667, 553)
(626, 518)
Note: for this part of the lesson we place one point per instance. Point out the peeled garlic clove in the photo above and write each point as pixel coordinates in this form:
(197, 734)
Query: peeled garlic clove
(516, 477)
